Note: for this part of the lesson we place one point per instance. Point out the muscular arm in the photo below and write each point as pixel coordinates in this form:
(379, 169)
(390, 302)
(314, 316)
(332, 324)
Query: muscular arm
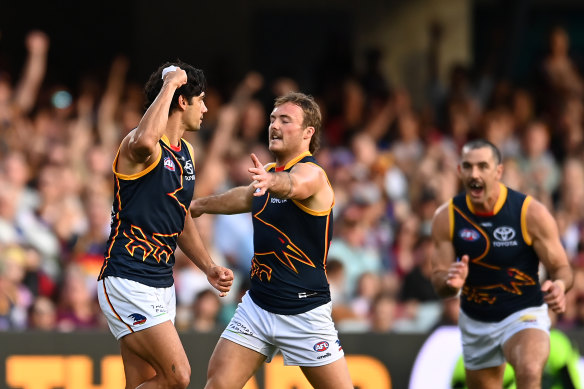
(448, 276)
(235, 200)
(306, 183)
(191, 244)
(140, 146)
(543, 230)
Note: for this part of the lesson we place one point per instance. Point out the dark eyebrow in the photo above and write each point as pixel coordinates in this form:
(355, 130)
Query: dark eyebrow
(480, 163)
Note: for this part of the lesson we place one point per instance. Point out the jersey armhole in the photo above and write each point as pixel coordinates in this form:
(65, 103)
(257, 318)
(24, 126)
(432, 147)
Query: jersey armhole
(451, 218)
(135, 175)
(526, 236)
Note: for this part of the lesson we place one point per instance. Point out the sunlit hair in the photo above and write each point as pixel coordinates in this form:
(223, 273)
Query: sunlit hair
(195, 85)
(312, 115)
(482, 143)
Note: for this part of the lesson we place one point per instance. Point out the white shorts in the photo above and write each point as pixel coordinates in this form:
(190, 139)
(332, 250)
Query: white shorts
(130, 306)
(305, 339)
(482, 342)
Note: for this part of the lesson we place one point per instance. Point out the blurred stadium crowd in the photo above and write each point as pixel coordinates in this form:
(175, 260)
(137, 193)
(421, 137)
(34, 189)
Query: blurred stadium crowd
(390, 163)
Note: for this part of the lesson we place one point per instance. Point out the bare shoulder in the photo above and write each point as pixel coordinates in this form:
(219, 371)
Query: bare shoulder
(312, 187)
(537, 213)
(310, 171)
(538, 218)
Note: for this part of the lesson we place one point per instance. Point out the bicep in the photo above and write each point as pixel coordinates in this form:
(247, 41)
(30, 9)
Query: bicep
(132, 159)
(545, 236)
(443, 253)
(307, 179)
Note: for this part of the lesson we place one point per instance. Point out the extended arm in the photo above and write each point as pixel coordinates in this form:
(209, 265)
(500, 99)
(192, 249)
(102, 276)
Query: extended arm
(305, 182)
(106, 121)
(235, 200)
(37, 43)
(448, 276)
(191, 244)
(542, 228)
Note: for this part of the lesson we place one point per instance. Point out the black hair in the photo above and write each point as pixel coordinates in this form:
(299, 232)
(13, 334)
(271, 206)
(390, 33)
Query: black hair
(479, 144)
(194, 86)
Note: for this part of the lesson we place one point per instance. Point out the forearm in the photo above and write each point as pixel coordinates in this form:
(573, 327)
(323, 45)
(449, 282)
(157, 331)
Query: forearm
(106, 121)
(235, 200)
(282, 185)
(27, 90)
(153, 123)
(565, 275)
(439, 281)
(191, 244)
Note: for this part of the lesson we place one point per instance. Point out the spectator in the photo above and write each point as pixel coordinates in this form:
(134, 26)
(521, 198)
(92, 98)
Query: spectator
(350, 249)
(42, 315)
(206, 309)
(384, 312)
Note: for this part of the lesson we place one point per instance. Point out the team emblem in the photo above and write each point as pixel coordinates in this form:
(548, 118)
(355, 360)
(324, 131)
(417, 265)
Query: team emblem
(469, 234)
(169, 164)
(138, 319)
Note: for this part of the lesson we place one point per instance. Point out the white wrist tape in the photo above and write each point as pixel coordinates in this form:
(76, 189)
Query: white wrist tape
(167, 69)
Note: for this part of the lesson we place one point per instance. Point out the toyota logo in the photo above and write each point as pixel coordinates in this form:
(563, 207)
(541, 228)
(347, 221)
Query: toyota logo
(504, 233)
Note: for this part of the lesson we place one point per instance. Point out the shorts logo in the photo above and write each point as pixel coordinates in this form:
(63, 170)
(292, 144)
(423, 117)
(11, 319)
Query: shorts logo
(138, 319)
(528, 319)
(168, 164)
(239, 328)
(324, 356)
(321, 346)
(469, 234)
(338, 342)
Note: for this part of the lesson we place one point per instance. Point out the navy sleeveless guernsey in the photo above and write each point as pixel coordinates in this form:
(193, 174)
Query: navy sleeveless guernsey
(148, 215)
(503, 266)
(290, 249)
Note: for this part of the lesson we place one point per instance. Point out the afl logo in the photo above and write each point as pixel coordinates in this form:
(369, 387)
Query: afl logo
(168, 164)
(469, 234)
(321, 346)
(504, 233)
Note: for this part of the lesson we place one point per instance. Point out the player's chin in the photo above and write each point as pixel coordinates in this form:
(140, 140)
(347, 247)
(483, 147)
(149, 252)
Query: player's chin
(275, 145)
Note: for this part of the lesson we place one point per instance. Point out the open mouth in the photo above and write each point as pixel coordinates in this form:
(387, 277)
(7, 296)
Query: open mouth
(476, 188)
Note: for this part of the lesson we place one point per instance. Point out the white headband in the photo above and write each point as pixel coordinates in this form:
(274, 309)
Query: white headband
(167, 69)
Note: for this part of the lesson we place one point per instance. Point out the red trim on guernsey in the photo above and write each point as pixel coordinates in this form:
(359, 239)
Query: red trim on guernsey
(484, 214)
(279, 168)
(176, 148)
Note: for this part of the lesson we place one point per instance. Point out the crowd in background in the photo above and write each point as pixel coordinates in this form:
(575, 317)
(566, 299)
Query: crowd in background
(390, 163)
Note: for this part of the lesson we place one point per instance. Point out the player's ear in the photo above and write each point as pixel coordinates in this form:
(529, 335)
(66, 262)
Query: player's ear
(308, 132)
(500, 168)
(182, 101)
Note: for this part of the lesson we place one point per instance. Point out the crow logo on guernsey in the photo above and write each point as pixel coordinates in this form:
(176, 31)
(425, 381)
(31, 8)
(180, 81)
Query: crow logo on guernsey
(169, 164)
